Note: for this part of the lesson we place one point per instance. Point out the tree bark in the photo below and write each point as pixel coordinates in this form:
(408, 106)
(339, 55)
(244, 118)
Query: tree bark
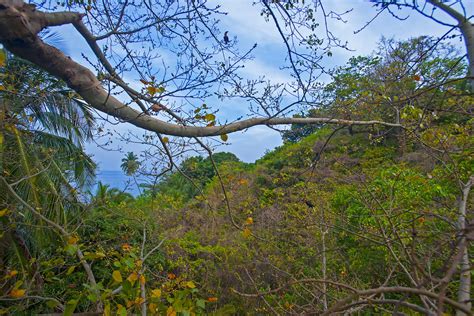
(467, 31)
(464, 291)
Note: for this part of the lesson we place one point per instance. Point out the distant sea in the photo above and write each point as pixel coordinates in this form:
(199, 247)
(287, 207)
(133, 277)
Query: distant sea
(117, 179)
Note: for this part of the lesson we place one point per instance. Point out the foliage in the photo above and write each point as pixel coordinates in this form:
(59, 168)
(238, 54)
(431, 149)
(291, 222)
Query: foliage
(328, 212)
(42, 130)
(195, 173)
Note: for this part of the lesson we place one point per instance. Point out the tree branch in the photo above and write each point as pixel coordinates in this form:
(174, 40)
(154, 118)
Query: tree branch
(84, 82)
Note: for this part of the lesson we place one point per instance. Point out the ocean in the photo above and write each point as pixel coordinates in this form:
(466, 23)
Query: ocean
(118, 179)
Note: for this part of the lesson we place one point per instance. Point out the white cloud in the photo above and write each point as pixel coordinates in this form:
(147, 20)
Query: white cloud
(252, 143)
(245, 22)
(259, 67)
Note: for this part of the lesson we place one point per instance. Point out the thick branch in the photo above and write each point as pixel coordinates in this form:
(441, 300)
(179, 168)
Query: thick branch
(22, 22)
(450, 11)
(467, 31)
(84, 82)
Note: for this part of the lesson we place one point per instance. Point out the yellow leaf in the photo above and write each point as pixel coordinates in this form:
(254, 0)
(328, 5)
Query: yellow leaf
(17, 293)
(153, 307)
(209, 117)
(246, 232)
(12, 273)
(3, 212)
(212, 299)
(190, 284)
(72, 240)
(107, 309)
(170, 311)
(151, 90)
(132, 277)
(156, 293)
(100, 254)
(121, 310)
(224, 137)
(171, 276)
(142, 279)
(166, 140)
(3, 58)
(249, 221)
(117, 276)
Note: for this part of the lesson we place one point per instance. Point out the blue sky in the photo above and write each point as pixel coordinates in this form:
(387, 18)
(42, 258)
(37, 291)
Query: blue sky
(245, 24)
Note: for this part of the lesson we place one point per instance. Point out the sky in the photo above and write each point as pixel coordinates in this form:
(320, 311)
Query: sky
(245, 23)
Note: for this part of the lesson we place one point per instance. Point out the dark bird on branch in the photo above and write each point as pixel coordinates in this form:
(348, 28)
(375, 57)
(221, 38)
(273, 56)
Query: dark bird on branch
(226, 38)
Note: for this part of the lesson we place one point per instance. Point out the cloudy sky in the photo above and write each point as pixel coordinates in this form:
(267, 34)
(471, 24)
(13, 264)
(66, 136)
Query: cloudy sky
(245, 23)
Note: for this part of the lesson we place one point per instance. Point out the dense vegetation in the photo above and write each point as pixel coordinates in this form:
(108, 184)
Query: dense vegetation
(331, 213)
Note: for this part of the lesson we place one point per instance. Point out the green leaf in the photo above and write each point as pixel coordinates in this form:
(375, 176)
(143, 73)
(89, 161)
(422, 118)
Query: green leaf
(70, 270)
(122, 311)
(224, 137)
(71, 249)
(51, 303)
(225, 310)
(70, 307)
(201, 303)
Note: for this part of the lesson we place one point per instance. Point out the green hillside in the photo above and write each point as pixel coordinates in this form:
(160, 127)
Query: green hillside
(361, 218)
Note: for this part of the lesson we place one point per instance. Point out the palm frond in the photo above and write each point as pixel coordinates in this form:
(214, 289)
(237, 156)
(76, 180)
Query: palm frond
(81, 168)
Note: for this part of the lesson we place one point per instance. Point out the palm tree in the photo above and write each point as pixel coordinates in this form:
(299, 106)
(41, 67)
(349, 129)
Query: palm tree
(43, 127)
(130, 164)
(104, 194)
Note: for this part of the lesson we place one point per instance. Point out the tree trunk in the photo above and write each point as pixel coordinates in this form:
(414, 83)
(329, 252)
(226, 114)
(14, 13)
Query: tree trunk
(467, 30)
(464, 291)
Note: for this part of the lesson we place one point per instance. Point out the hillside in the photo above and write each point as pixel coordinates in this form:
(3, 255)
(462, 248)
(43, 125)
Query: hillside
(332, 206)
(352, 218)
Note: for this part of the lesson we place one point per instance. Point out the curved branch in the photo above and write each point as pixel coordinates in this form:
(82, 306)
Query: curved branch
(84, 82)
(448, 10)
(395, 289)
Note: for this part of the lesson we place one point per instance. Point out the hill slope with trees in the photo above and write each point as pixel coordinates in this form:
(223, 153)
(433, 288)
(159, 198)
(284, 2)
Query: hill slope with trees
(365, 219)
